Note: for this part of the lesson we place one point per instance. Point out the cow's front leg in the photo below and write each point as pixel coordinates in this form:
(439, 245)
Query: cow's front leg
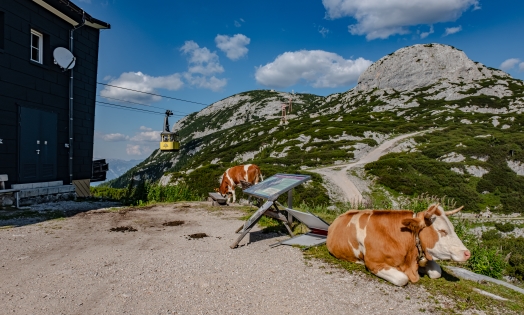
(234, 196)
(392, 275)
(432, 269)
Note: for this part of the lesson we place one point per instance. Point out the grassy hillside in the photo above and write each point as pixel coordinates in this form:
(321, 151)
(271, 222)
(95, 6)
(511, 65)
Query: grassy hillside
(472, 152)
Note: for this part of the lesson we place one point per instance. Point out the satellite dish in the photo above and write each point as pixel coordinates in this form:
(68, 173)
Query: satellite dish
(64, 58)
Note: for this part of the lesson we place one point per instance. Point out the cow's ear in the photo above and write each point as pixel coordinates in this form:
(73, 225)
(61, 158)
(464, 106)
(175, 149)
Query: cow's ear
(431, 211)
(413, 224)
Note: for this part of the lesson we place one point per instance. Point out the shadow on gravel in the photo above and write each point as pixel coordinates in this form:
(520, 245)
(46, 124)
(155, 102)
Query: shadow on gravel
(263, 235)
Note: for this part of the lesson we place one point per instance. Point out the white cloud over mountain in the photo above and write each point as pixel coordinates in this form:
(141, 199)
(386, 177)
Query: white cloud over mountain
(510, 64)
(137, 149)
(203, 65)
(234, 47)
(381, 19)
(146, 136)
(426, 34)
(113, 137)
(452, 30)
(320, 69)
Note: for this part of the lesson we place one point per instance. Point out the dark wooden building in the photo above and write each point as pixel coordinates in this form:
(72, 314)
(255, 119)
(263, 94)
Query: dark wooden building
(38, 144)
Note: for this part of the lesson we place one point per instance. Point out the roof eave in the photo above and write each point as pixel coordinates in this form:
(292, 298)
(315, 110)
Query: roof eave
(71, 13)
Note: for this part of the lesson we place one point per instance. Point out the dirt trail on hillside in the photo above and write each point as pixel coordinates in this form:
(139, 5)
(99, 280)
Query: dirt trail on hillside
(337, 175)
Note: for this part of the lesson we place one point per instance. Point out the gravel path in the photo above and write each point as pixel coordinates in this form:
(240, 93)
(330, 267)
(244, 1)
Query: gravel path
(78, 266)
(337, 175)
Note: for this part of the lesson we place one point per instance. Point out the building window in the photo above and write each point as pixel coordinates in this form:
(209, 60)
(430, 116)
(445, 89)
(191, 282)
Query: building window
(36, 46)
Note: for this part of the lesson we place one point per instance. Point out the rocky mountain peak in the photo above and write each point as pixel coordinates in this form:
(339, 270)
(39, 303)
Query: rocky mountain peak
(422, 65)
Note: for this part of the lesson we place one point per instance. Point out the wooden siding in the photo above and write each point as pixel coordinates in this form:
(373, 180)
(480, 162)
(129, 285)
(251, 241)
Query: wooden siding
(45, 86)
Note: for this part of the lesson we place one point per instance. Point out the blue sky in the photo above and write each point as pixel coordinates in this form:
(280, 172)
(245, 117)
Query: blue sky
(204, 51)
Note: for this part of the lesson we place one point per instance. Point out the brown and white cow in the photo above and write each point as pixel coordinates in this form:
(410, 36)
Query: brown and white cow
(385, 241)
(233, 176)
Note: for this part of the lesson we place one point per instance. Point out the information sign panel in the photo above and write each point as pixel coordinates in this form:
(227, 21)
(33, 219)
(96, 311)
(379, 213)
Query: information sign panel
(276, 185)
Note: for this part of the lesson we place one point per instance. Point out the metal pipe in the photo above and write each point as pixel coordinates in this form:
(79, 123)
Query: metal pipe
(71, 100)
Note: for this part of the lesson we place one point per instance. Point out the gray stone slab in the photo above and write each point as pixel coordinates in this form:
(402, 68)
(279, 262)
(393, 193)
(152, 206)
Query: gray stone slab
(55, 183)
(469, 275)
(40, 185)
(66, 188)
(52, 190)
(25, 193)
(22, 186)
(42, 191)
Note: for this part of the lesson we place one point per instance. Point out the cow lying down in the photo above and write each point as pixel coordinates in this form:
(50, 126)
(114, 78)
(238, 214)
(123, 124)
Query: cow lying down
(386, 241)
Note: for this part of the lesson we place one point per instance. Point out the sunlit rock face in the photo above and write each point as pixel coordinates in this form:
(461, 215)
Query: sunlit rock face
(420, 65)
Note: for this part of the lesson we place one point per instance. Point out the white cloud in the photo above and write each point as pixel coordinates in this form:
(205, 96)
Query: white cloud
(137, 149)
(509, 64)
(201, 60)
(146, 136)
(141, 82)
(145, 128)
(452, 30)
(318, 68)
(212, 83)
(521, 66)
(234, 47)
(203, 64)
(237, 24)
(381, 19)
(113, 137)
(426, 34)
(322, 30)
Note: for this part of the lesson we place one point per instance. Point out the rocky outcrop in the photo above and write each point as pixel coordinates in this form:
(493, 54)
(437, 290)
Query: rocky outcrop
(420, 66)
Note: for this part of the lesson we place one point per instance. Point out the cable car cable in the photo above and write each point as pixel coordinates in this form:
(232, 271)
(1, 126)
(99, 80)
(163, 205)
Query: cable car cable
(117, 99)
(135, 109)
(131, 110)
(174, 98)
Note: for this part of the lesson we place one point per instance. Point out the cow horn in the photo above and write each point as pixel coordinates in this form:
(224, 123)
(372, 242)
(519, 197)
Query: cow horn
(451, 212)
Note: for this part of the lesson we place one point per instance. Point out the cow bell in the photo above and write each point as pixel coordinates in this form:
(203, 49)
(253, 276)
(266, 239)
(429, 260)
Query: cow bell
(422, 262)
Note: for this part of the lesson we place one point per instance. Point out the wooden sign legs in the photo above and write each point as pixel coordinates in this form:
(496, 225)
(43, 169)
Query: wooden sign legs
(275, 214)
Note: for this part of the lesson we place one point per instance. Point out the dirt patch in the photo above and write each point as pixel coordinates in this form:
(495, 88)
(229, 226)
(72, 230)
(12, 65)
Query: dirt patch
(173, 223)
(123, 229)
(198, 235)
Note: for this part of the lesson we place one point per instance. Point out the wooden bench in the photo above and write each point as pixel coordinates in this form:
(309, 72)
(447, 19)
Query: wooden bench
(3, 191)
(217, 199)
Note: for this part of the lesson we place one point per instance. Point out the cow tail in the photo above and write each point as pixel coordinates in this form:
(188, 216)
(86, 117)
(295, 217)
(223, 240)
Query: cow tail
(260, 176)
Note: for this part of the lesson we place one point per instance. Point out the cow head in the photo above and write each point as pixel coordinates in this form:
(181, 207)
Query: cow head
(223, 188)
(437, 235)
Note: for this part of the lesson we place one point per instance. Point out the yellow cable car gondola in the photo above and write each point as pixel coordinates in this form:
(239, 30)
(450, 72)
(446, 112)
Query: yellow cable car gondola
(169, 140)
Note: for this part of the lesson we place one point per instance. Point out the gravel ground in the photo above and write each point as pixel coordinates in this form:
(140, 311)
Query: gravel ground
(78, 266)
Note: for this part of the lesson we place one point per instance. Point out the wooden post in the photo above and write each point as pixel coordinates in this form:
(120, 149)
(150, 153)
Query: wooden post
(290, 206)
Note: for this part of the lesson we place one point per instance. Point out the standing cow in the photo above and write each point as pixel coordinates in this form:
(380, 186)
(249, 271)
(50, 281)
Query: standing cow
(386, 241)
(233, 176)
